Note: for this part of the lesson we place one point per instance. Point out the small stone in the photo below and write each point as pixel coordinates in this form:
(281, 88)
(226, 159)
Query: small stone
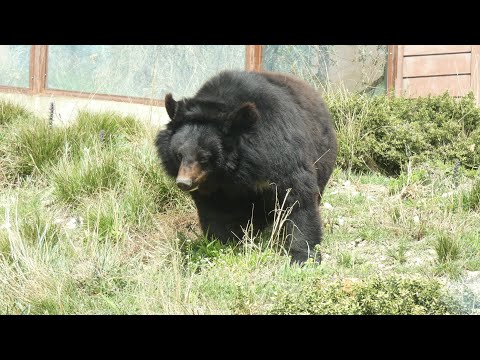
(416, 219)
(359, 242)
(327, 206)
(71, 224)
(341, 221)
(6, 226)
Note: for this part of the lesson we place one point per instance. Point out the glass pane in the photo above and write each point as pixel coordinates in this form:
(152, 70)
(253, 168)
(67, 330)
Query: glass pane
(149, 71)
(357, 68)
(15, 65)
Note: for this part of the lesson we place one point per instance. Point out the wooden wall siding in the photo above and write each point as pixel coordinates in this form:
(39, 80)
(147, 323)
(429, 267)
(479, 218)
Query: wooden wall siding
(433, 69)
(422, 86)
(435, 49)
(436, 65)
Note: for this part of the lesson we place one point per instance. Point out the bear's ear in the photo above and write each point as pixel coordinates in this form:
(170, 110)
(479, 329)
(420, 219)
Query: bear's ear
(173, 107)
(242, 118)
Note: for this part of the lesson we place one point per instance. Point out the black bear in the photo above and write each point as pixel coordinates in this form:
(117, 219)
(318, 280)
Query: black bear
(242, 140)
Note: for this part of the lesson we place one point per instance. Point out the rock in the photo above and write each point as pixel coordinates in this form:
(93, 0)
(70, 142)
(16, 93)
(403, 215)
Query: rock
(359, 242)
(71, 224)
(6, 226)
(327, 206)
(416, 219)
(473, 277)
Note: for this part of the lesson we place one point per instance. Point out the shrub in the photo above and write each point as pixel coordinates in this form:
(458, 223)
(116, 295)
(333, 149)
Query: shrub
(382, 134)
(391, 295)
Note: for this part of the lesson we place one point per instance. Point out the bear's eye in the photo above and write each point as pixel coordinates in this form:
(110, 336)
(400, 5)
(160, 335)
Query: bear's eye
(178, 156)
(203, 157)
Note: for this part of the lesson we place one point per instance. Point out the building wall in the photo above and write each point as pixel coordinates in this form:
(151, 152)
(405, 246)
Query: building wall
(434, 69)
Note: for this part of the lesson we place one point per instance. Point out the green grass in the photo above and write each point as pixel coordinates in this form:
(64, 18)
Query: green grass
(30, 145)
(90, 224)
(10, 112)
(97, 170)
(447, 248)
(470, 199)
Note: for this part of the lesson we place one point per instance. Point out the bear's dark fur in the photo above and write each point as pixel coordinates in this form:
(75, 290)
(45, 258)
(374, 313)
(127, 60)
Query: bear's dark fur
(242, 139)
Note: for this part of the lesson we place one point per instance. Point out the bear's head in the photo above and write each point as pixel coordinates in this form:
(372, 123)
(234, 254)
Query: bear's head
(200, 141)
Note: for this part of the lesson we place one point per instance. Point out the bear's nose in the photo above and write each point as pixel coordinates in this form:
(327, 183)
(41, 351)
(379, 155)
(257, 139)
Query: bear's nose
(184, 183)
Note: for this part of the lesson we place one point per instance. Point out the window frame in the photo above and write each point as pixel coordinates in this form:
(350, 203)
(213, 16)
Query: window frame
(39, 75)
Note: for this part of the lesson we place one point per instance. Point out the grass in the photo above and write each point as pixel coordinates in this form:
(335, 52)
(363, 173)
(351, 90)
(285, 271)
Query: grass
(97, 170)
(90, 224)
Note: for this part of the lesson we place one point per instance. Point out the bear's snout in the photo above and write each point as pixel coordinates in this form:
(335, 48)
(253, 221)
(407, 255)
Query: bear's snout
(190, 176)
(184, 184)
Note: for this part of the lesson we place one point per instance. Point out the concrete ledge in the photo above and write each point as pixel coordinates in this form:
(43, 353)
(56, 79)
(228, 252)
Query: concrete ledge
(66, 107)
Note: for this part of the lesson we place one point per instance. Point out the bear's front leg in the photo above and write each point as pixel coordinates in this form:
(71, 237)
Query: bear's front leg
(303, 227)
(223, 219)
(305, 232)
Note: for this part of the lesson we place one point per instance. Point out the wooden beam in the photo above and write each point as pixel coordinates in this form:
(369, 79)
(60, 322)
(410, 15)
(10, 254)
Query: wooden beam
(391, 68)
(475, 72)
(38, 68)
(399, 71)
(254, 57)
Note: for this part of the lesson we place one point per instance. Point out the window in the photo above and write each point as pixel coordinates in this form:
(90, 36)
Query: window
(146, 71)
(15, 65)
(359, 68)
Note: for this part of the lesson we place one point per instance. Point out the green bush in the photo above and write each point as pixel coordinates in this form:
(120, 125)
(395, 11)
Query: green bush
(382, 134)
(376, 296)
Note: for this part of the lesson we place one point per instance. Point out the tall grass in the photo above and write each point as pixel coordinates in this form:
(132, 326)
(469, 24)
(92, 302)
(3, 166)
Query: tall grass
(29, 146)
(10, 112)
(95, 171)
